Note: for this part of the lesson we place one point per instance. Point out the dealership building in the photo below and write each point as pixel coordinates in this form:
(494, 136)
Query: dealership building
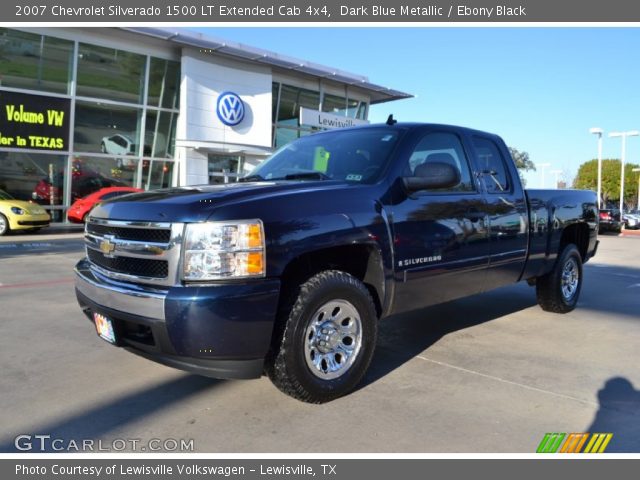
(87, 108)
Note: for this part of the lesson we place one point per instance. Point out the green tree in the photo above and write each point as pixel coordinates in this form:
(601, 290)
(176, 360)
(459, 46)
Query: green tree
(523, 162)
(587, 178)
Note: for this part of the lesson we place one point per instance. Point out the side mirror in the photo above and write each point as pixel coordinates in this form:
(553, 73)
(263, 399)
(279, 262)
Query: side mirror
(431, 176)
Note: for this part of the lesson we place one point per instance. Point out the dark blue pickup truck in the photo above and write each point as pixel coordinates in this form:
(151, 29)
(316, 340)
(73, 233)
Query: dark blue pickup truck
(289, 271)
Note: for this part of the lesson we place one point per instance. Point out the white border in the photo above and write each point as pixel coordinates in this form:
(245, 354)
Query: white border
(259, 24)
(167, 456)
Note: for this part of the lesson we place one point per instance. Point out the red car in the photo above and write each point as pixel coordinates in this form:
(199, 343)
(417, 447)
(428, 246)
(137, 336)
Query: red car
(80, 209)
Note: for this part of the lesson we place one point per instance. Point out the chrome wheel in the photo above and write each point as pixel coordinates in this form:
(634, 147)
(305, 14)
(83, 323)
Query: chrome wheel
(3, 225)
(333, 339)
(570, 279)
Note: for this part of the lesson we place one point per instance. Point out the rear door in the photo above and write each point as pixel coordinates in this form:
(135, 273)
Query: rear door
(507, 209)
(441, 237)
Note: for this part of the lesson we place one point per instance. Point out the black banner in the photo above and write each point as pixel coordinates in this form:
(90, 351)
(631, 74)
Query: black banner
(34, 122)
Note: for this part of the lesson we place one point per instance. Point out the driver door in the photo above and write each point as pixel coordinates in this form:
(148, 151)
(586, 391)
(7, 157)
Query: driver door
(441, 237)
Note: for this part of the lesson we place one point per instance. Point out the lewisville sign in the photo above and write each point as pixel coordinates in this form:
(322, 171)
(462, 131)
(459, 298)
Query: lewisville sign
(34, 121)
(314, 118)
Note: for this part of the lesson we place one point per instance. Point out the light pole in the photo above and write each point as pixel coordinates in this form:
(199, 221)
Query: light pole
(556, 174)
(624, 135)
(638, 170)
(599, 132)
(542, 166)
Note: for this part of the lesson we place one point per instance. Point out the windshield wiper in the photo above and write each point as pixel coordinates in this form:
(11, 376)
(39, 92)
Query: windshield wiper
(251, 178)
(304, 176)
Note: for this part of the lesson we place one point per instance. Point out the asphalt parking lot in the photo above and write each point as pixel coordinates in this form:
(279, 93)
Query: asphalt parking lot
(489, 373)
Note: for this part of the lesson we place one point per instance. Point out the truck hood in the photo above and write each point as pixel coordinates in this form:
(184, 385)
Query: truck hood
(197, 203)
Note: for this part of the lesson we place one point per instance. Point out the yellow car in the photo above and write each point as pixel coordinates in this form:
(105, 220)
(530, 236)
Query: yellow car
(21, 215)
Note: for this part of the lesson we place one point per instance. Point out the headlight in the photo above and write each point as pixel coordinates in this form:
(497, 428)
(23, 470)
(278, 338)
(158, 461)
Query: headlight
(220, 250)
(17, 210)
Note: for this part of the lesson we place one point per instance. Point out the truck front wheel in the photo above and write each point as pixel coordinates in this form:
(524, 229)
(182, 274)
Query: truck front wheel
(328, 339)
(558, 290)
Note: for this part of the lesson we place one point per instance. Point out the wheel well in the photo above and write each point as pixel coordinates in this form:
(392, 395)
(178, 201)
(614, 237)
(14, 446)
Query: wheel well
(578, 234)
(362, 261)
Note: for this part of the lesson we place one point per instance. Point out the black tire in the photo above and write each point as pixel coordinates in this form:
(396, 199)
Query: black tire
(4, 225)
(291, 365)
(559, 290)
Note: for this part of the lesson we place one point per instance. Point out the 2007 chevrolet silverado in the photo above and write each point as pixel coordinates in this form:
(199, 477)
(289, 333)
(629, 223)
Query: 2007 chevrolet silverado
(289, 271)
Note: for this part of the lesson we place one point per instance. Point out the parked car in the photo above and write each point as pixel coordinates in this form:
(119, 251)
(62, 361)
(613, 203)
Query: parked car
(610, 220)
(118, 144)
(82, 186)
(631, 220)
(78, 212)
(44, 192)
(20, 215)
(122, 145)
(289, 271)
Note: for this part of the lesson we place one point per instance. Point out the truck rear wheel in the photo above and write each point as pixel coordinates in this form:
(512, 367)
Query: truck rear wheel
(328, 339)
(558, 290)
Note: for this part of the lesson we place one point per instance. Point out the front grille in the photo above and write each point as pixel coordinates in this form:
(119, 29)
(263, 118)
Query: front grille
(141, 267)
(155, 235)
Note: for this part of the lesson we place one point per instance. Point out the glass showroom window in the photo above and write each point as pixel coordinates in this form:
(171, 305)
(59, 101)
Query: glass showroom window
(160, 133)
(33, 176)
(89, 174)
(157, 174)
(106, 128)
(35, 62)
(356, 109)
(291, 99)
(110, 74)
(287, 120)
(164, 83)
(334, 104)
(275, 91)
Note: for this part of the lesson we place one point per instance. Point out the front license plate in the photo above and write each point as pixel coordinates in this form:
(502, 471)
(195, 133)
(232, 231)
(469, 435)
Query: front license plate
(104, 327)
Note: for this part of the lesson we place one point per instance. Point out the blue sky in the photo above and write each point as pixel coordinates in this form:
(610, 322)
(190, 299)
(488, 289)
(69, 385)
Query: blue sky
(541, 89)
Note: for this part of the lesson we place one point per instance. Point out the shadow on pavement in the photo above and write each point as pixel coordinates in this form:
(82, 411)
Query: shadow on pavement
(621, 284)
(102, 419)
(403, 337)
(619, 414)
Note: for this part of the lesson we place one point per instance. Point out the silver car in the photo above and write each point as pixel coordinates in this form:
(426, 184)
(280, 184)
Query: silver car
(631, 220)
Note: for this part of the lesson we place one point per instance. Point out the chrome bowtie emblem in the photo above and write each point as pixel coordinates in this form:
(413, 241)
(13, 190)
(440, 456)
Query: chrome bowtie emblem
(107, 245)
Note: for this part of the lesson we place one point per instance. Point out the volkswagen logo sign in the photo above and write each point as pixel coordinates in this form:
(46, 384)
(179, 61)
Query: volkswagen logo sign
(230, 109)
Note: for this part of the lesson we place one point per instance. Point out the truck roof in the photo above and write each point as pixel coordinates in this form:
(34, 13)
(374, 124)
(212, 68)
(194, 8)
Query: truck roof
(416, 125)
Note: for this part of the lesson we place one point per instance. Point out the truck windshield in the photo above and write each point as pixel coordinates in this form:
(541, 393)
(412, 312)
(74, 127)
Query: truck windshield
(358, 156)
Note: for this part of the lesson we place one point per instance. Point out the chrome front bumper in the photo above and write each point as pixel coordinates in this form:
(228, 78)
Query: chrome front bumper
(144, 302)
(221, 331)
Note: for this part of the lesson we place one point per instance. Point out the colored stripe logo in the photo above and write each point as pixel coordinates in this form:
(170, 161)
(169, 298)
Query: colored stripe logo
(574, 442)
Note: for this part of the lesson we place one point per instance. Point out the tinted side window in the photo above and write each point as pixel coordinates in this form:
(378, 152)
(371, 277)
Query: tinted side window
(445, 148)
(492, 165)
